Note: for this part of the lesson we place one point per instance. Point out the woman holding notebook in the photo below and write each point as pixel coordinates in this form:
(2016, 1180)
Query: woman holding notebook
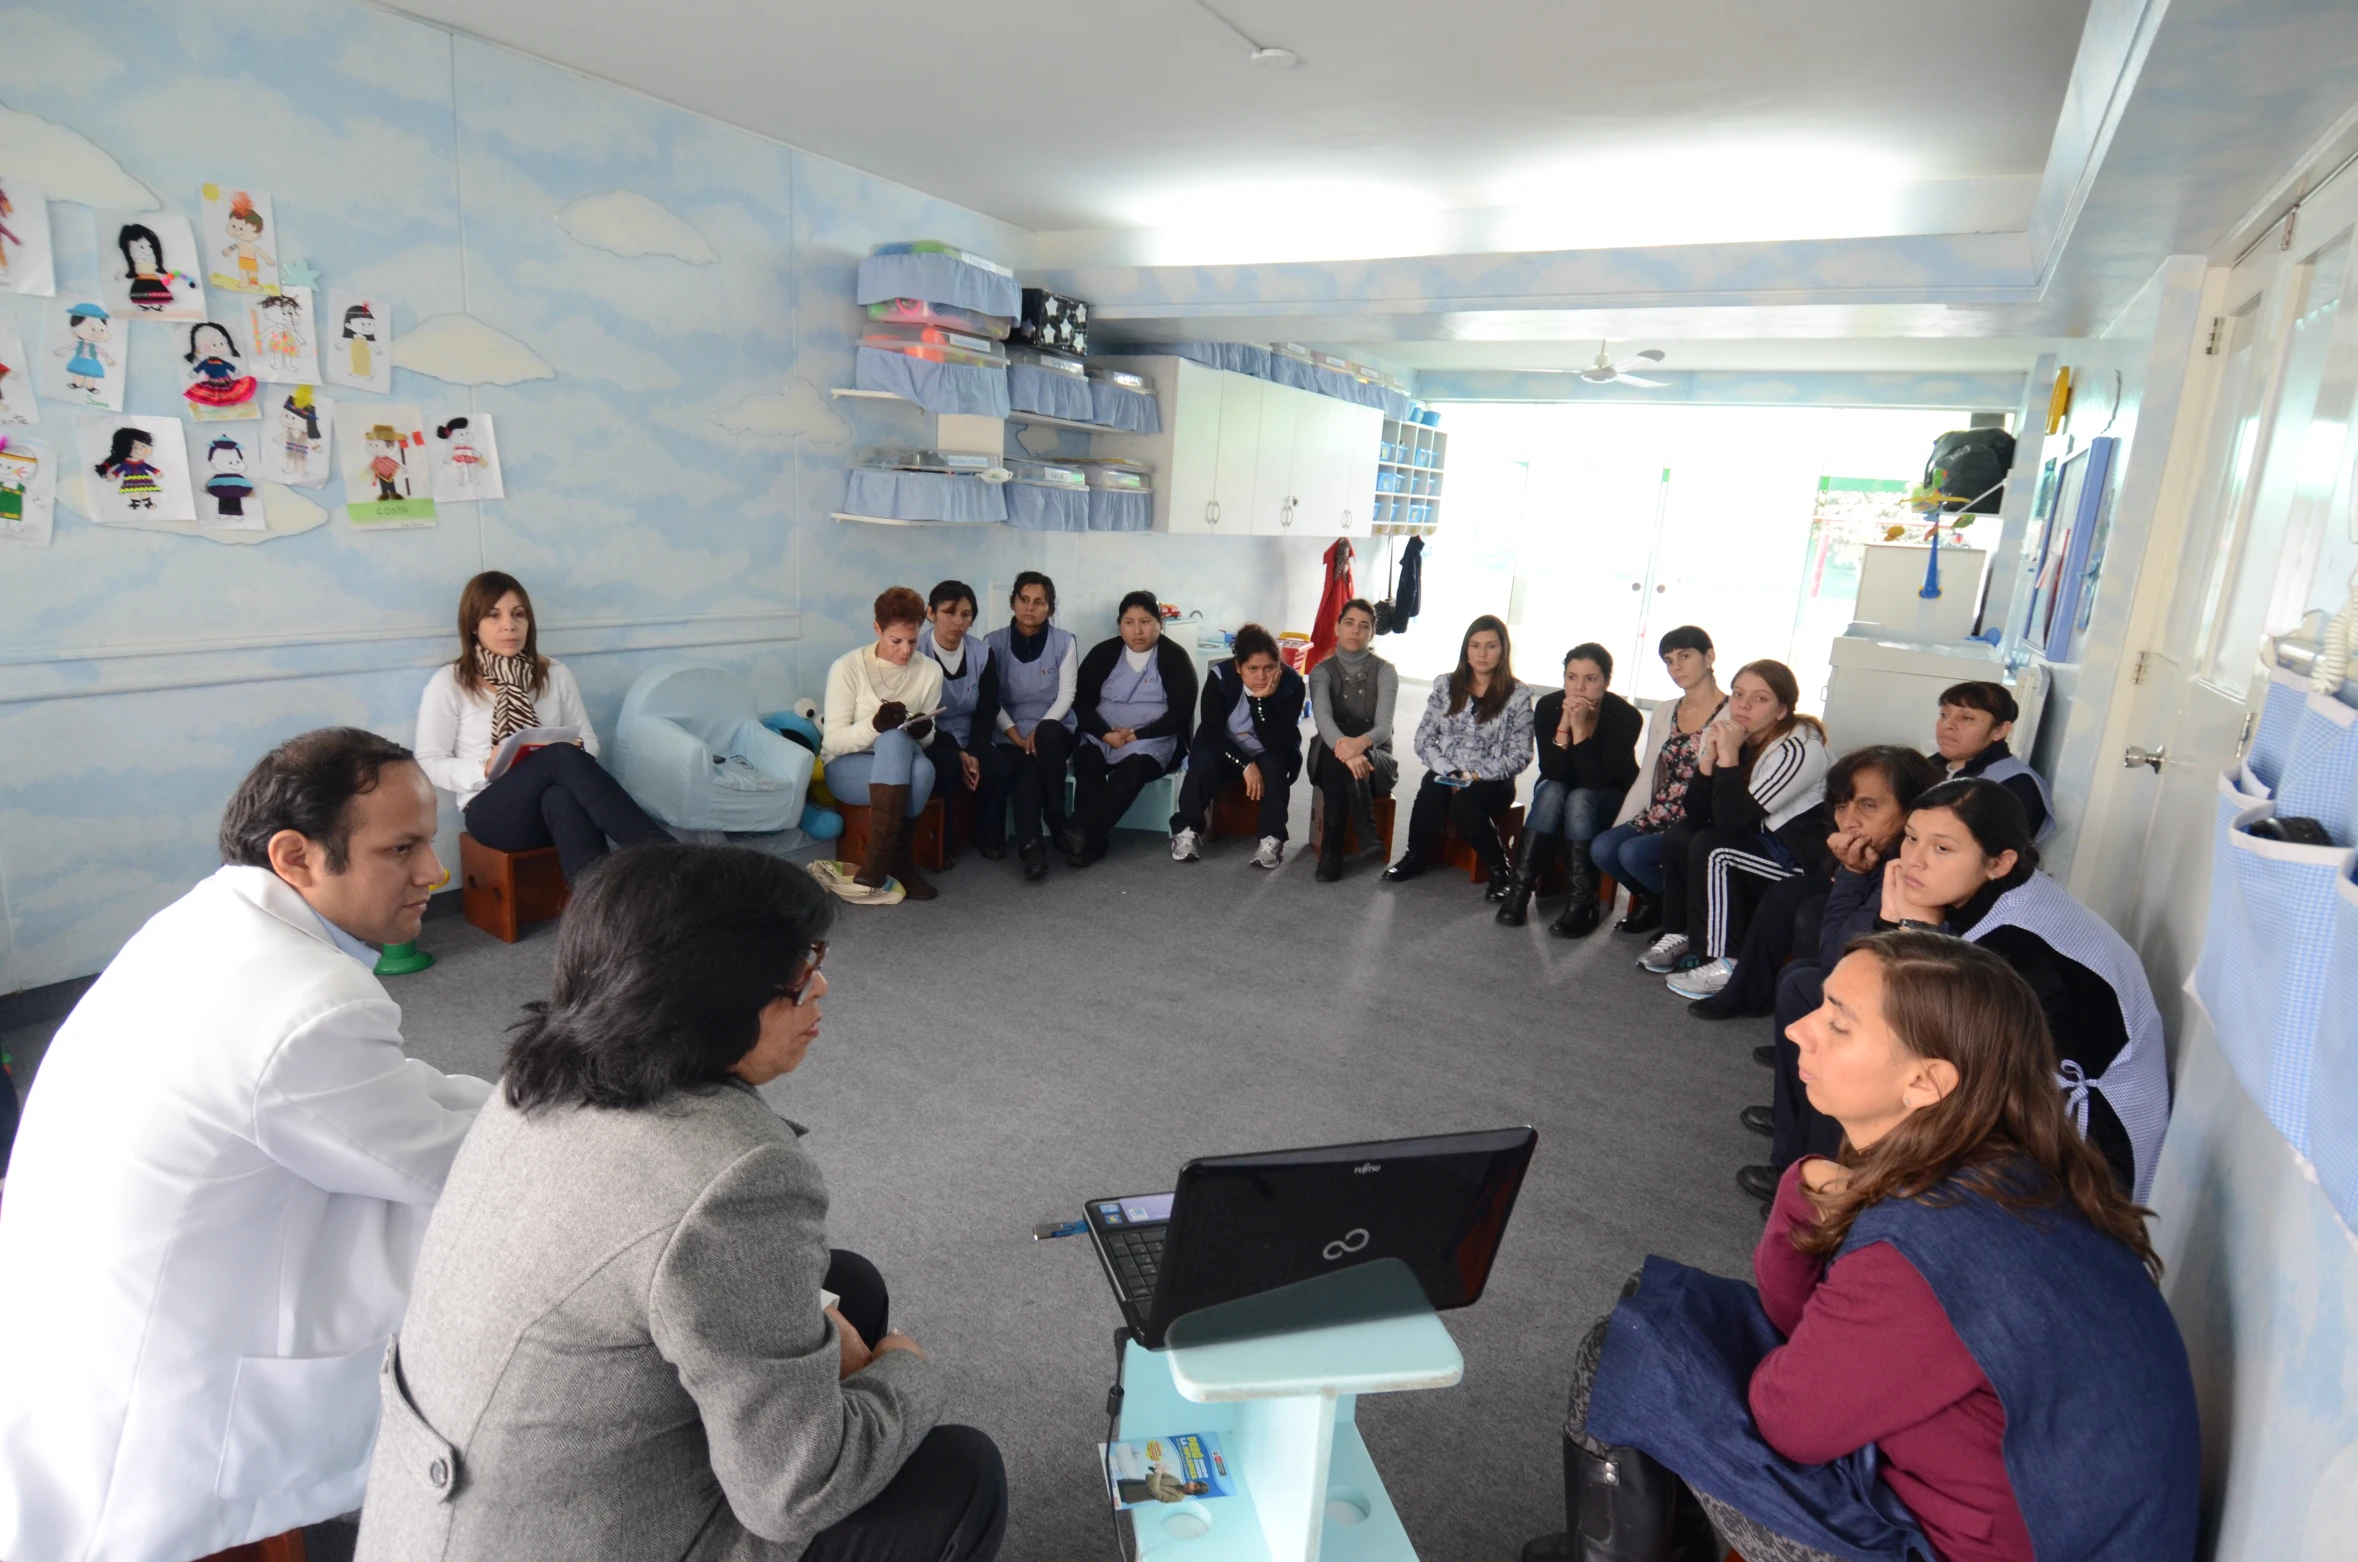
(526, 796)
(881, 701)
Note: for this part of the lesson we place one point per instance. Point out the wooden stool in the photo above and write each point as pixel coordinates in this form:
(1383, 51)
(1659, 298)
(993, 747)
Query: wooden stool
(1385, 813)
(925, 839)
(1455, 851)
(273, 1548)
(1233, 813)
(504, 892)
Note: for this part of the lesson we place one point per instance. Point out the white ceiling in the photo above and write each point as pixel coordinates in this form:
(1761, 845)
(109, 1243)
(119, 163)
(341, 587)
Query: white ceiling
(1859, 355)
(1145, 114)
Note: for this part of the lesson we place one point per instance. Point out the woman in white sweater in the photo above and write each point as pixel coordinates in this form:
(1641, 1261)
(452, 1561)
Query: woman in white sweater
(881, 701)
(557, 795)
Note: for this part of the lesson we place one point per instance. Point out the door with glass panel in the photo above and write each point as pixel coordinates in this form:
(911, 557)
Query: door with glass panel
(2270, 537)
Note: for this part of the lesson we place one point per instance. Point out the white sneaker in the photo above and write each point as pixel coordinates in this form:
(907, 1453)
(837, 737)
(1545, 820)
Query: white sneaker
(1664, 954)
(1705, 979)
(1183, 847)
(1272, 852)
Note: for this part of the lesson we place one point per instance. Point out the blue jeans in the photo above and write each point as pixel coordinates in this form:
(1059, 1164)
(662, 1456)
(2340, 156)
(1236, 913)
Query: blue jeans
(1622, 853)
(897, 760)
(1576, 813)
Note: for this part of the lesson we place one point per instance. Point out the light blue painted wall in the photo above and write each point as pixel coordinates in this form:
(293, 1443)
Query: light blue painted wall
(141, 674)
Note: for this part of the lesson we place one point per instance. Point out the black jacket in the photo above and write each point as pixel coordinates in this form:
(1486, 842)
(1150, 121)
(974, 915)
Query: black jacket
(1277, 720)
(1608, 760)
(1178, 674)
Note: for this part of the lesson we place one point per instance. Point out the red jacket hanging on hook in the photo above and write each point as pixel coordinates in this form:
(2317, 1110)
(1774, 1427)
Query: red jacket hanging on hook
(1331, 598)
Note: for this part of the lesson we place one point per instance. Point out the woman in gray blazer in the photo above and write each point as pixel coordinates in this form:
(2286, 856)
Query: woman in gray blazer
(617, 1345)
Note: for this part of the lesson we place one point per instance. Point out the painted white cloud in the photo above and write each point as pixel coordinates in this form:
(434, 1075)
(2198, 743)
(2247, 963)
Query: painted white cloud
(625, 222)
(802, 409)
(462, 350)
(426, 278)
(68, 165)
(740, 298)
(584, 349)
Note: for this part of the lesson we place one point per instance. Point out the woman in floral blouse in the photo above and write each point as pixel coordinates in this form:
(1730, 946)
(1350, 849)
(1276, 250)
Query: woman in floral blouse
(1631, 851)
(1474, 740)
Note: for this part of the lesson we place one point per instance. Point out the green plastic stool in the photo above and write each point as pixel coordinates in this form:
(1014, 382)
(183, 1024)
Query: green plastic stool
(402, 960)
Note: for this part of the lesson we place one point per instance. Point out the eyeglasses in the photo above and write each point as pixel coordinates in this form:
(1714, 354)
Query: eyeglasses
(802, 983)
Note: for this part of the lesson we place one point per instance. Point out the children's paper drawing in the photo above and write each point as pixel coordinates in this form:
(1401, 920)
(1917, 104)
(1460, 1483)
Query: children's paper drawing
(227, 499)
(466, 459)
(220, 388)
(28, 491)
(381, 450)
(358, 338)
(84, 357)
(240, 238)
(136, 467)
(17, 404)
(296, 426)
(26, 262)
(282, 337)
(148, 264)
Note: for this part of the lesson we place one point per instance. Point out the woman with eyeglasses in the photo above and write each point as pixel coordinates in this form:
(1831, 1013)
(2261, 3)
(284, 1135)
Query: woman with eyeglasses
(628, 1338)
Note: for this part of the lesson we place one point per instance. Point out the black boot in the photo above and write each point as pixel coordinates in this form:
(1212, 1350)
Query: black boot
(1371, 840)
(1581, 914)
(1532, 855)
(1645, 912)
(1625, 1507)
(1035, 860)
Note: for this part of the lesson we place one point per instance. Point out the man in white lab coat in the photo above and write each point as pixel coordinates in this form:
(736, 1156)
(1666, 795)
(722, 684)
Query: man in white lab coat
(224, 1172)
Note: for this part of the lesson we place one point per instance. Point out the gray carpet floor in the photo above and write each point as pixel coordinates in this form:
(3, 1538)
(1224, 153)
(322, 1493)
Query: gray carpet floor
(998, 1056)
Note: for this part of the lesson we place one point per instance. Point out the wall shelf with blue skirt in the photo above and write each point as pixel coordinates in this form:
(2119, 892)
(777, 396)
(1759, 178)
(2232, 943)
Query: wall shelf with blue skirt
(1041, 419)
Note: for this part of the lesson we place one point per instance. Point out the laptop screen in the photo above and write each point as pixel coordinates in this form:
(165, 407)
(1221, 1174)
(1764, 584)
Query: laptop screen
(1145, 1209)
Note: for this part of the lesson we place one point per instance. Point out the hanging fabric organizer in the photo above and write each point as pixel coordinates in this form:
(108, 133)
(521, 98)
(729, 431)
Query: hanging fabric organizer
(940, 278)
(2333, 1080)
(1118, 406)
(1113, 510)
(1278, 368)
(894, 495)
(1044, 507)
(2321, 766)
(937, 387)
(2280, 713)
(1031, 388)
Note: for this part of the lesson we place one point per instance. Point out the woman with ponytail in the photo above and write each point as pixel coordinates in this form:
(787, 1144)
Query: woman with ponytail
(1957, 1349)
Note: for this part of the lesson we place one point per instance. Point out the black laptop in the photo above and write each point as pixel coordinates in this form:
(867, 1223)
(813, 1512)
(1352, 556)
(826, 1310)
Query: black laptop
(1241, 1226)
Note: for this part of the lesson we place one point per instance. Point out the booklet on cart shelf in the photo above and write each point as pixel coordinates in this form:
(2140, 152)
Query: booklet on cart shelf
(1172, 1468)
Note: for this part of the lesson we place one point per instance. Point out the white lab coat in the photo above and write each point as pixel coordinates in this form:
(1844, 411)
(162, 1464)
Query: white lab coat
(214, 1208)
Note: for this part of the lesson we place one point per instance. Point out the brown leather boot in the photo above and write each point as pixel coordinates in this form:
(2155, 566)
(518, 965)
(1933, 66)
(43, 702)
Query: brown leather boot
(904, 860)
(886, 807)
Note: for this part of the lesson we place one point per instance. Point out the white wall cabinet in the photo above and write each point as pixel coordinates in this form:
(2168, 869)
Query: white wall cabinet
(1247, 457)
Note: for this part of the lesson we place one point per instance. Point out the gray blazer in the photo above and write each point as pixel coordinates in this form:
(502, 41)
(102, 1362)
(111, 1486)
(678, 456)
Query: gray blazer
(615, 1349)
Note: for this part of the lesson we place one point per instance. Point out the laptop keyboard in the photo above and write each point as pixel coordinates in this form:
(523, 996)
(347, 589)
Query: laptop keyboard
(1137, 1254)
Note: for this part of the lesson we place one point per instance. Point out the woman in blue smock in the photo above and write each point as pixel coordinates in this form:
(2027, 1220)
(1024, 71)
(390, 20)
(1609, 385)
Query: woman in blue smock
(1957, 1351)
(949, 614)
(1135, 696)
(1028, 688)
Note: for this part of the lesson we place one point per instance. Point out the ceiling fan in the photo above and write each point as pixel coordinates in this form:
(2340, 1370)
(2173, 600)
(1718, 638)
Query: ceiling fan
(1606, 372)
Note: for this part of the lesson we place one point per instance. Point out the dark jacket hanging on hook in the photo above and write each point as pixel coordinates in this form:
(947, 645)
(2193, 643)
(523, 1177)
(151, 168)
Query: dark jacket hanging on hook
(1408, 592)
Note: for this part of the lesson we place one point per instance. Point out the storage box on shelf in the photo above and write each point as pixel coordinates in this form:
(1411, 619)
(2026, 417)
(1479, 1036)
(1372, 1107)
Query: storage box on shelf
(1246, 457)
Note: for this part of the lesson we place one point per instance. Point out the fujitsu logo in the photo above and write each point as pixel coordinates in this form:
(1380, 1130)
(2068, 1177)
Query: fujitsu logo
(1364, 1167)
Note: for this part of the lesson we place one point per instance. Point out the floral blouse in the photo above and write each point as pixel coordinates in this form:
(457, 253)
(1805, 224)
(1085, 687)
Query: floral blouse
(1672, 771)
(1495, 750)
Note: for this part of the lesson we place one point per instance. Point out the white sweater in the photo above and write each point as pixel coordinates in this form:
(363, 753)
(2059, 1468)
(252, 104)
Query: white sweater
(454, 727)
(862, 683)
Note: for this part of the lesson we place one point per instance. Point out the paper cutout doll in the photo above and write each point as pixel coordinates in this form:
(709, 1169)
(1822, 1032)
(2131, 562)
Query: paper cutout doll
(26, 264)
(219, 388)
(16, 382)
(143, 266)
(466, 460)
(360, 337)
(459, 452)
(87, 359)
(138, 481)
(356, 342)
(295, 452)
(386, 481)
(226, 480)
(28, 491)
(278, 329)
(148, 266)
(233, 234)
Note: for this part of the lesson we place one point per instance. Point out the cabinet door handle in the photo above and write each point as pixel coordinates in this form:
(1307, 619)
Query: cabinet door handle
(1211, 512)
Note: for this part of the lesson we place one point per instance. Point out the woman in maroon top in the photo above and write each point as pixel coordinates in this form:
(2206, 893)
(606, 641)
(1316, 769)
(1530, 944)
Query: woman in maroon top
(1963, 1193)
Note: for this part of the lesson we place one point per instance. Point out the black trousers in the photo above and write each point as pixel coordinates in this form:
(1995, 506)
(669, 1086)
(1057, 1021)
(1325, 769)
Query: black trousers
(949, 779)
(1034, 781)
(1103, 792)
(1334, 781)
(1785, 921)
(559, 796)
(948, 1503)
(1210, 766)
(1471, 808)
(1714, 913)
(1801, 1128)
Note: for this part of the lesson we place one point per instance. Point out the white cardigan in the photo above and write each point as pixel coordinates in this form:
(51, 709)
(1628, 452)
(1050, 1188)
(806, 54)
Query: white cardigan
(454, 727)
(859, 685)
(1660, 724)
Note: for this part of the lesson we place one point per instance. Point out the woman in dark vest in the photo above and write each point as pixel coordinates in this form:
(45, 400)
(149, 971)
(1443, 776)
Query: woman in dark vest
(1957, 1350)
(949, 614)
(1251, 731)
(1029, 687)
(1352, 693)
(1135, 697)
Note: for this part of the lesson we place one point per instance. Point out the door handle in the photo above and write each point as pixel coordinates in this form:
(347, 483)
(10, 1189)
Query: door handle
(1636, 586)
(1211, 512)
(1658, 590)
(2136, 755)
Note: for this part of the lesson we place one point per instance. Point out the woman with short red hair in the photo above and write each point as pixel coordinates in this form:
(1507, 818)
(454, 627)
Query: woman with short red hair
(881, 701)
